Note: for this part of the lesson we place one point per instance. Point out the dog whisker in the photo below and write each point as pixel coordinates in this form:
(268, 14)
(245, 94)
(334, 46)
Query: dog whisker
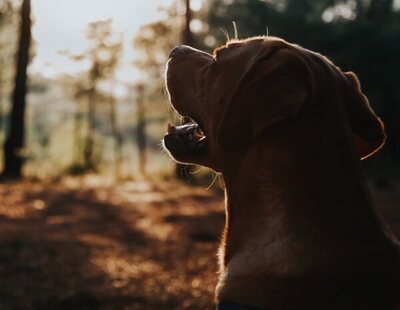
(186, 173)
(235, 30)
(221, 184)
(226, 34)
(213, 181)
(163, 88)
(195, 172)
(160, 145)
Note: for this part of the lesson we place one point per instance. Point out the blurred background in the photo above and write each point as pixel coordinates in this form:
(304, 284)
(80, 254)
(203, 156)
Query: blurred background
(93, 214)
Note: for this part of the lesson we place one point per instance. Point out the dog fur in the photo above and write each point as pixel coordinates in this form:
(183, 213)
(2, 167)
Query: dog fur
(287, 128)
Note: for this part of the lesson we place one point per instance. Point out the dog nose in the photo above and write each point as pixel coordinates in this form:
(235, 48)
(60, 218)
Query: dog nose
(176, 51)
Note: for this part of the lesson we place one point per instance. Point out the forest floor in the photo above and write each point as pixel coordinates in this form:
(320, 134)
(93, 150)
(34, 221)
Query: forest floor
(83, 243)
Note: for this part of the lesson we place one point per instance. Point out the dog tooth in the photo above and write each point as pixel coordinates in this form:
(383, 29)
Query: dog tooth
(170, 128)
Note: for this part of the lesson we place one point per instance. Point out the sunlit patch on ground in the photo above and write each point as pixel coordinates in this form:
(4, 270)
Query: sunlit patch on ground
(86, 243)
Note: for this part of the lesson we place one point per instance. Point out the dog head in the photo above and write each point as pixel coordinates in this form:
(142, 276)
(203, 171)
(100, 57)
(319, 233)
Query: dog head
(249, 86)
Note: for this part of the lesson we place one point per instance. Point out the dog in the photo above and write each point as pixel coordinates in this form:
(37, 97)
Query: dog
(286, 128)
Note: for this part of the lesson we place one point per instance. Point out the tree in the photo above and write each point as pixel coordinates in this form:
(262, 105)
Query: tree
(187, 39)
(141, 128)
(104, 55)
(95, 87)
(357, 35)
(187, 35)
(154, 41)
(7, 49)
(14, 143)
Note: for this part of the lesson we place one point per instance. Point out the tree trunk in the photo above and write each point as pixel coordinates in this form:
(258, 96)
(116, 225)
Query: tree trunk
(187, 36)
(13, 159)
(88, 151)
(77, 137)
(2, 108)
(117, 137)
(141, 130)
(182, 171)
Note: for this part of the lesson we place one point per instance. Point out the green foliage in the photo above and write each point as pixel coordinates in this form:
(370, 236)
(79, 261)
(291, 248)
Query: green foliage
(358, 35)
(104, 51)
(93, 88)
(154, 42)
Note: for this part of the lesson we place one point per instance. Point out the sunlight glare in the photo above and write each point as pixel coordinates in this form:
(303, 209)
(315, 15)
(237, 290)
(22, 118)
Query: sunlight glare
(60, 26)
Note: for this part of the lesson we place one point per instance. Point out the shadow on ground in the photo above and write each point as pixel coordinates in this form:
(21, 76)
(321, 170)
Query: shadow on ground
(76, 245)
(86, 244)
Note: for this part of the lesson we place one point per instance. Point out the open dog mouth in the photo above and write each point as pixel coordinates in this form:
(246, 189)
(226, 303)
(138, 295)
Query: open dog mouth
(185, 139)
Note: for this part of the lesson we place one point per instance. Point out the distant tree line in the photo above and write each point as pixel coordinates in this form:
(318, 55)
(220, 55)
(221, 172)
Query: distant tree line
(93, 91)
(358, 35)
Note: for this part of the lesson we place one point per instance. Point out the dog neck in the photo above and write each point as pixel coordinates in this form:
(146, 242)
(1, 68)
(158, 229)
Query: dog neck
(296, 193)
(297, 211)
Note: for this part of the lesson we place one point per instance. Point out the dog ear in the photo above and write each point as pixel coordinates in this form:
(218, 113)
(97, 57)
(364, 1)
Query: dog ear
(368, 129)
(273, 90)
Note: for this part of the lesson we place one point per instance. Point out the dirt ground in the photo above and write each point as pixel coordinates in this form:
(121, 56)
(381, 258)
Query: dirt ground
(89, 244)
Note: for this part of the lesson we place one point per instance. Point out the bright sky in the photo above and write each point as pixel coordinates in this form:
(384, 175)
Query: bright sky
(60, 25)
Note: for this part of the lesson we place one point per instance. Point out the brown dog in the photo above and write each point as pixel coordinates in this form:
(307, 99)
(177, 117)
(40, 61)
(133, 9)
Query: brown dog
(286, 128)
